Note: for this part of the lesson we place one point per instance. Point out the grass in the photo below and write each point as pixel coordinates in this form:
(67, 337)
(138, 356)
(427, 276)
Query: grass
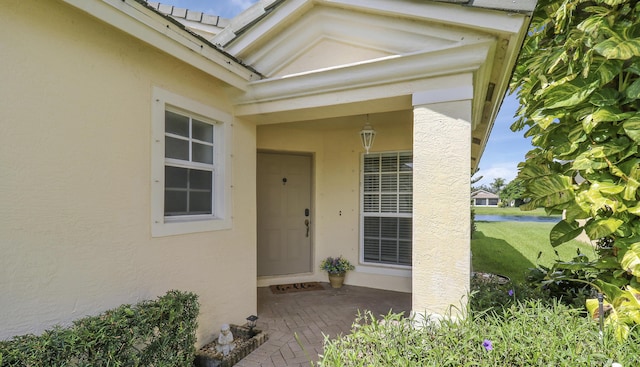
(511, 248)
(488, 210)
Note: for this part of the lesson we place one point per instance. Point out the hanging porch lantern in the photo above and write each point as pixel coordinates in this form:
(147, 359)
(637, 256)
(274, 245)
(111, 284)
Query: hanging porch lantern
(367, 135)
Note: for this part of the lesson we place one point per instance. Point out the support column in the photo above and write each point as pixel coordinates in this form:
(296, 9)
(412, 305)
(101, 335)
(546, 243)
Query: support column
(441, 209)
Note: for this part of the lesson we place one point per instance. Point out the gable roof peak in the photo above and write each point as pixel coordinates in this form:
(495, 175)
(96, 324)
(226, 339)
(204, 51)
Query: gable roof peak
(484, 194)
(246, 19)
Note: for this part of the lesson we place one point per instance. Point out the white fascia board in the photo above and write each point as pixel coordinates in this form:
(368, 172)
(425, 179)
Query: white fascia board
(376, 72)
(142, 23)
(457, 93)
(527, 6)
(454, 14)
(262, 29)
(209, 30)
(503, 82)
(501, 87)
(390, 96)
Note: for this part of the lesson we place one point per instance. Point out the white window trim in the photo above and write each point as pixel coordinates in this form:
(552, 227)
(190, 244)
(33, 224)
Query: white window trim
(376, 267)
(385, 269)
(221, 219)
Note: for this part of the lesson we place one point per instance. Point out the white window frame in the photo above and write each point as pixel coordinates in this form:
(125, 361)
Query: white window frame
(379, 267)
(221, 210)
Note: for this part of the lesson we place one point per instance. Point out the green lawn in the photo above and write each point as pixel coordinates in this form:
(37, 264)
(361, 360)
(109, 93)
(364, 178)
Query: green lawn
(510, 248)
(488, 210)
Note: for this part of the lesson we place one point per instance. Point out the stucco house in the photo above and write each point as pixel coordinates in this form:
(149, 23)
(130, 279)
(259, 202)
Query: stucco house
(145, 148)
(484, 198)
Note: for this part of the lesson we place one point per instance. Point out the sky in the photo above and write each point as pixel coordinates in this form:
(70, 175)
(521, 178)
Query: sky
(505, 148)
(223, 8)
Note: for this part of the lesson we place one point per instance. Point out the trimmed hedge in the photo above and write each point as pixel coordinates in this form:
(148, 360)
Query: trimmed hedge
(152, 333)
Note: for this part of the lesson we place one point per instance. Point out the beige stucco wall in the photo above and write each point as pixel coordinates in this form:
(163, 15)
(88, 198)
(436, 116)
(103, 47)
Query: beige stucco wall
(75, 107)
(336, 148)
(441, 235)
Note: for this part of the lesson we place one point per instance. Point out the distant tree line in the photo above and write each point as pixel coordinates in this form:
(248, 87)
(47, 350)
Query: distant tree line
(511, 192)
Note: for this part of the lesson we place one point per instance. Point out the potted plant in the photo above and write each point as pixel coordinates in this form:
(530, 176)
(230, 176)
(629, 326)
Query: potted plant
(336, 267)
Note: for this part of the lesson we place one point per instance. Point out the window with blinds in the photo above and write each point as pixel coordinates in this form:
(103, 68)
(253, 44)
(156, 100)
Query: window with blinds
(386, 210)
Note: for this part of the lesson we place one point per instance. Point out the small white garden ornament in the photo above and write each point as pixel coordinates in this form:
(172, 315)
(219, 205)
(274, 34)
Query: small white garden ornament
(225, 340)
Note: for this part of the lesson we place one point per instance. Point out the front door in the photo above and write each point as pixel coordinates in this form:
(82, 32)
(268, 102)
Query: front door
(284, 214)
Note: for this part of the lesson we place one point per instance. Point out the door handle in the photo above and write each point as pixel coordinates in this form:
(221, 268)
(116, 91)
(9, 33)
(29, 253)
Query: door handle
(306, 223)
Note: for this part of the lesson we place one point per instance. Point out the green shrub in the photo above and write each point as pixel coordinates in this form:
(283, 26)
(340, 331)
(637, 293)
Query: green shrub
(474, 228)
(523, 334)
(152, 333)
(492, 295)
(558, 283)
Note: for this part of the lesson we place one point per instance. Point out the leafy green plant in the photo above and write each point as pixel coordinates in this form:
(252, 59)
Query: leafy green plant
(491, 295)
(622, 309)
(578, 81)
(512, 192)
(336, 265)
(474, 180)
(474, 227)
(567, 281)
(151, 333)
(522, 334)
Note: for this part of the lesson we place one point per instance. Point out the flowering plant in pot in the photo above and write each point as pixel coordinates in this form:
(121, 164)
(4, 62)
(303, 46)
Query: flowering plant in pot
(336, 267)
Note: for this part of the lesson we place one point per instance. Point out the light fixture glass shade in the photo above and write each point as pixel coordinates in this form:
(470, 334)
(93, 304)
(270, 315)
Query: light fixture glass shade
(367, 135)
(251, 321)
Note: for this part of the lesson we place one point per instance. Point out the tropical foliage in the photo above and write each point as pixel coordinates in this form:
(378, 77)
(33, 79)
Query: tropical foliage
(578, 81)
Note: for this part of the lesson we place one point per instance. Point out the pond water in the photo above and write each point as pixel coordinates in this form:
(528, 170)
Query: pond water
(515, 218)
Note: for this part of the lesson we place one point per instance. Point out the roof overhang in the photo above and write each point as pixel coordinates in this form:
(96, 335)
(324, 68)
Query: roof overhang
(393, 79)
(385, 82)
(142, 22)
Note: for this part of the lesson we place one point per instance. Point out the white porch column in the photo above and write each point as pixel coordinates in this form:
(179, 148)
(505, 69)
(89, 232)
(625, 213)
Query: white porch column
(441, 218)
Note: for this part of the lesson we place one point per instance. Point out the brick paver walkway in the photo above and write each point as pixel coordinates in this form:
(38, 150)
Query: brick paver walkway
(309, 315)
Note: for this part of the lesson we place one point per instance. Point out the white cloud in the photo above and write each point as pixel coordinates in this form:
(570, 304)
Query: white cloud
(242, 4)
(231, 8)
(506, 170)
